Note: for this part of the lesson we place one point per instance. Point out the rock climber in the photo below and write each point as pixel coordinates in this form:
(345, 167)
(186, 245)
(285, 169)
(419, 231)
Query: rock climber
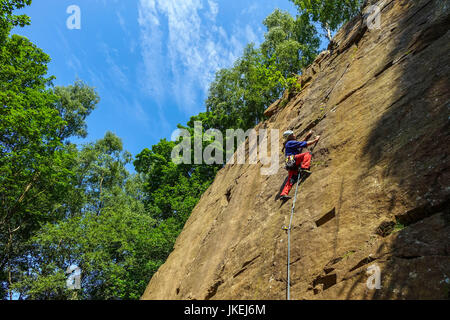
(295, 158)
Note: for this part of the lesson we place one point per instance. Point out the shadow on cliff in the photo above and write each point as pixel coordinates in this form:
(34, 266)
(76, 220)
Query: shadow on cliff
(411, 140)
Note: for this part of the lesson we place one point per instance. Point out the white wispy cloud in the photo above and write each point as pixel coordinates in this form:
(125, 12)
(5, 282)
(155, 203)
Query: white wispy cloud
(115, 71)
(121, 21)
(214, 10)
(182, 46)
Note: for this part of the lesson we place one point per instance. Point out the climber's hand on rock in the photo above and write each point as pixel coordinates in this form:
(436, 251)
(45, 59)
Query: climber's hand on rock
(313, 141)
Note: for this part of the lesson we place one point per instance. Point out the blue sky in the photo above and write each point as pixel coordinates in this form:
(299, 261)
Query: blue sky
(151, 61)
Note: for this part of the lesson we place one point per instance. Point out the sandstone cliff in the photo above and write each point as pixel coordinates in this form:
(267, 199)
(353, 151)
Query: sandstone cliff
(379, 193)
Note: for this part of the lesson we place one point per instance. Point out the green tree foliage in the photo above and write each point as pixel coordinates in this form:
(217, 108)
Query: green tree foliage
(239, 95)
(290, 44)
(236, 98)
(331, 14)
(6, 12)
(60, 205)
(172, 190)
(35, 163)
(8, 20)
(110, 237)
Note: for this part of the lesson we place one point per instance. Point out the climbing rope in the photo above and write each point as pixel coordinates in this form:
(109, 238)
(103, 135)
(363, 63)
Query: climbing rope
(288, 229)
(289, 241)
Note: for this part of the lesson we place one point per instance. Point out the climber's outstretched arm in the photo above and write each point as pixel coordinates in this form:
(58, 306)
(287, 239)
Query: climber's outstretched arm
(308, 135)
(313, 141)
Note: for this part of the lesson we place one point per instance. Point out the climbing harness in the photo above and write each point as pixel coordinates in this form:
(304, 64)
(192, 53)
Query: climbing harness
(288, 229)
(290, 163)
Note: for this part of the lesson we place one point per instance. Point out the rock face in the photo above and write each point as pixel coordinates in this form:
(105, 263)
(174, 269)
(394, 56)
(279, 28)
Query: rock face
(379, 193)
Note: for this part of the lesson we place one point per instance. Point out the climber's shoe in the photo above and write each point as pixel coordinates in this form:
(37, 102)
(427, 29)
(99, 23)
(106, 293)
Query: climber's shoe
(285, 198)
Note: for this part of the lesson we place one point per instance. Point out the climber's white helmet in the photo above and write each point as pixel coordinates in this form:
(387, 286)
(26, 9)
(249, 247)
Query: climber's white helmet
(287, 134)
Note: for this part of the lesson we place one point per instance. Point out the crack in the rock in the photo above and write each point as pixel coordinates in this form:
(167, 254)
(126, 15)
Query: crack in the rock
(213, 289)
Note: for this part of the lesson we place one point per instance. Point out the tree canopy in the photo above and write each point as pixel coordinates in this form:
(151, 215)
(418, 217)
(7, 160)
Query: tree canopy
(331, 14)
